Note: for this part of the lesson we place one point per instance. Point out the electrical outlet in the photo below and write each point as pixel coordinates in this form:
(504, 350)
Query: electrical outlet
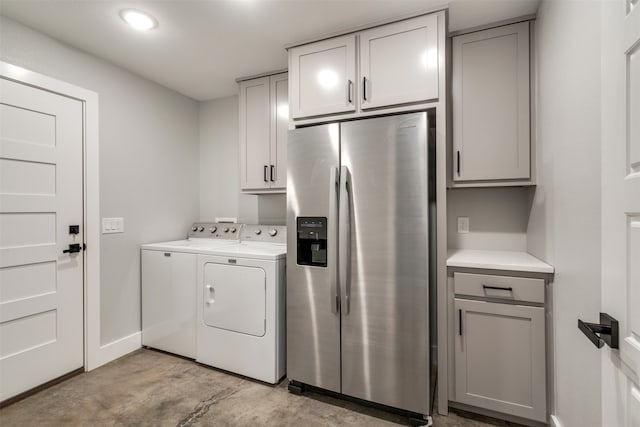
(463, 224)
(112, 225)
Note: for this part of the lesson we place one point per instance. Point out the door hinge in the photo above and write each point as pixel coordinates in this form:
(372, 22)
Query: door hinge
(84, 246)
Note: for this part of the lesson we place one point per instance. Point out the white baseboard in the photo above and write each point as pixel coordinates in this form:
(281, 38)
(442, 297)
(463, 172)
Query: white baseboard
(117, 348)
(555, 421)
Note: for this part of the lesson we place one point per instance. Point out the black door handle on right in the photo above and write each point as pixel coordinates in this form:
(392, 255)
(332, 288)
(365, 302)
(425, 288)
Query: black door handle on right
(73, 248)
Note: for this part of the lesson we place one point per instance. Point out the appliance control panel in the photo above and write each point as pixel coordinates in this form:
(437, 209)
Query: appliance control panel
(216, 230)
(264, 233)
(311, 241)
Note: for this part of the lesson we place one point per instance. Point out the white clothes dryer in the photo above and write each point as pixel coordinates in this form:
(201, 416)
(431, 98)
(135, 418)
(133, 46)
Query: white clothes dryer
(169, 281)
(241, 305)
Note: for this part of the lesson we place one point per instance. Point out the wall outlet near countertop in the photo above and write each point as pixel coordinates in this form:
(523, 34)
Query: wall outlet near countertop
(463, 224)
(112, 225)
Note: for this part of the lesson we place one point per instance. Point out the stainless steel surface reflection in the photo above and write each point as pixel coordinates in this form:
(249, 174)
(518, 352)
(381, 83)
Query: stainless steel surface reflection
(373, 343)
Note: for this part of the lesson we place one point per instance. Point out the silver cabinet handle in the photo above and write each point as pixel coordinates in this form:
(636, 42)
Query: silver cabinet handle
(333, 239)
(344, 248)
(273, 172)
(349, 92)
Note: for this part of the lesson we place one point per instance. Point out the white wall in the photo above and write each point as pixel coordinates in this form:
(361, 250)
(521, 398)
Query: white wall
(220, 194)
(148, 162)
(564, 226)
(498, 218)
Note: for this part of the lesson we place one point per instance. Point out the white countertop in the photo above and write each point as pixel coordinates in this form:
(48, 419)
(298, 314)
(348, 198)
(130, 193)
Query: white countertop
(497, 260)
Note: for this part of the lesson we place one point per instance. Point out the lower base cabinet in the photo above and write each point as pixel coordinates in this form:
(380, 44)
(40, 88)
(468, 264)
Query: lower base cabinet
(499, 344)
(500, 358)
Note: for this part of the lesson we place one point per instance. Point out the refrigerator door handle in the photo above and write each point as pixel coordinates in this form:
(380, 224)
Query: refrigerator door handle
(344, 249)
(334, 183)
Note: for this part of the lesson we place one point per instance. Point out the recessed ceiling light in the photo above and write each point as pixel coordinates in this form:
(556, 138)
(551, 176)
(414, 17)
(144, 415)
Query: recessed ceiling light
(138, 20)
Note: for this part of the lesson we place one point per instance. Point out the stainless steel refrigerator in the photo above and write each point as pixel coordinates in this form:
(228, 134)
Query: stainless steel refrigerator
(358, 259)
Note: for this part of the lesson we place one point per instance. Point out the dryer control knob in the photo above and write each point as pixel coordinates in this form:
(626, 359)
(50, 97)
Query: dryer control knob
(194, 228)
(258, 232)
(233, 229)
(213, 229)
(226, 229)
(273, 232)
(201, 229)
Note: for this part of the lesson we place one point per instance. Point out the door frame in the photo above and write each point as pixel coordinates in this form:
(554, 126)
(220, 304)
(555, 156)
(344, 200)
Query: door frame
(93, 353)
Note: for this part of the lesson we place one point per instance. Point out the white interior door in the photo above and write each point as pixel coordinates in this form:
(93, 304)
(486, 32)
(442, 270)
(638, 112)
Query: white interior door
(41, 288)
(621, 209)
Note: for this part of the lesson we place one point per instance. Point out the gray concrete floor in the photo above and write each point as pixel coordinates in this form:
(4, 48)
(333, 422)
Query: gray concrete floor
(151, 388)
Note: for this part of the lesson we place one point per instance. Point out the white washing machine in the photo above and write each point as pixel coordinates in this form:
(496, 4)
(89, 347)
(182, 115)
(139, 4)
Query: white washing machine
(169, 281)
(241, 305)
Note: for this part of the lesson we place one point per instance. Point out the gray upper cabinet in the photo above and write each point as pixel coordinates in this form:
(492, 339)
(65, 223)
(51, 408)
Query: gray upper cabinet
(264, 117)
(323, 76)
(399, 63)
(491, 106)
(389, 68)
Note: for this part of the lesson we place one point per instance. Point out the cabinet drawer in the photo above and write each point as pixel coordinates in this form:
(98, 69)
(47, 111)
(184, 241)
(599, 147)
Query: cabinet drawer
(505, 287)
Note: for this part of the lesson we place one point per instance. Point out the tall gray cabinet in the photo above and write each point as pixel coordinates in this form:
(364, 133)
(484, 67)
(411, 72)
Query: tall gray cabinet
(263, 119)
(491, 107)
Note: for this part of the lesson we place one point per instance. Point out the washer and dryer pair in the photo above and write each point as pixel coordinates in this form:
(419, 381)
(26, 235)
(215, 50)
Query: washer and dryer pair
(219, 297)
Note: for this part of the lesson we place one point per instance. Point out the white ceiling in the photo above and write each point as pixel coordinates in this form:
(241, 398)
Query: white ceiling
(201, 46)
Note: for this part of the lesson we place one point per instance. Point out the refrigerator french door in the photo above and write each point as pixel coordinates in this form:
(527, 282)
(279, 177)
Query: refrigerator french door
(357, 267)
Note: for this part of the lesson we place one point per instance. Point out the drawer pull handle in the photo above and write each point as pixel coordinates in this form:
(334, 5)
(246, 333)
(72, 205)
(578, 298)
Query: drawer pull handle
(460, 322)
(498, 288)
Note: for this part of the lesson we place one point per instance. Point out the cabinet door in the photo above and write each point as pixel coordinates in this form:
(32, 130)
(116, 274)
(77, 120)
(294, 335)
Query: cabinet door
(500, 357)
(490, 95)
(169, 301)
(322, 77)
(279, 129)
(399, 63)
(254, 134)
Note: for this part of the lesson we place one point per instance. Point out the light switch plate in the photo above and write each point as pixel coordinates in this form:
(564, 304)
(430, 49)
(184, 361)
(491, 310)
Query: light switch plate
(112, 225)
(463, 224)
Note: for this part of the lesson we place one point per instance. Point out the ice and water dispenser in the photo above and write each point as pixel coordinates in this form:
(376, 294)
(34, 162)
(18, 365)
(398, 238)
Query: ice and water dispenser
(312, 241)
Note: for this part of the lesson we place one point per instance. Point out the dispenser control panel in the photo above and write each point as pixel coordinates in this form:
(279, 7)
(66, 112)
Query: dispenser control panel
(312, 241)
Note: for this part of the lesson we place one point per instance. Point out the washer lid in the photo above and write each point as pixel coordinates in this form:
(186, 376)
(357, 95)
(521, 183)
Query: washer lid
(189, 245)
(252, 250)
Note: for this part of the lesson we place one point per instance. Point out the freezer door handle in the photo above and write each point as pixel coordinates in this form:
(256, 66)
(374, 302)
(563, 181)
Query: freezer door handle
(334, 183)
(344, 248)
